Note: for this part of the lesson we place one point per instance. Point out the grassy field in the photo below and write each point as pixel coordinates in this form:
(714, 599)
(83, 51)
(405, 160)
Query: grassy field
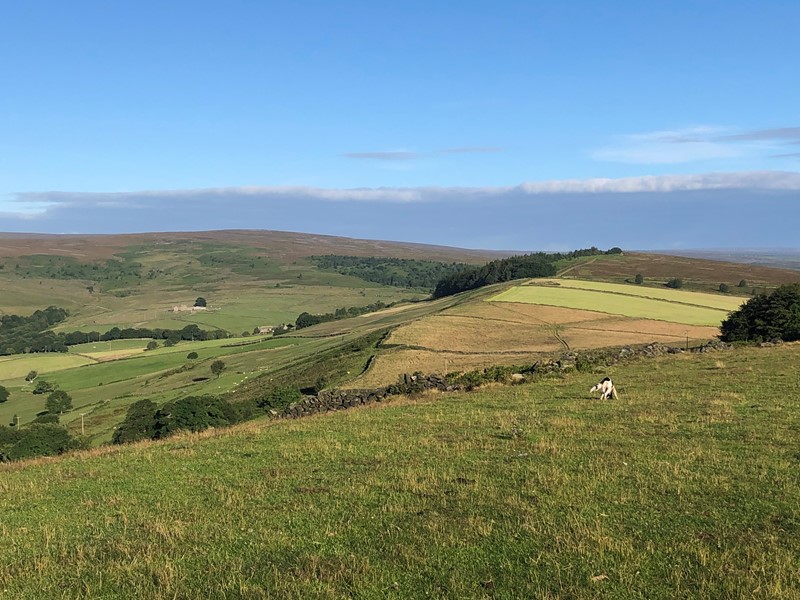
(720, 301)
(531, 491)
(677, 311)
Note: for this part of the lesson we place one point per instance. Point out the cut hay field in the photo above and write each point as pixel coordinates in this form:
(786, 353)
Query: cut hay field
(719, 301)
(661, 309)
(501, 325)
(531, 491)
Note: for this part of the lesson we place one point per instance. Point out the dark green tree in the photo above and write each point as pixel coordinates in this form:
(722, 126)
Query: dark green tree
(217, 367)
(191, 355)
(43, 387)
(58, 402)
(724, 288)
(742, 284)
(139, 423)
(31, 376)
(193, 413)
(3, 394)
(151, 345)
(200, 301)
(638, 279)
(42, 439)
(766, 317)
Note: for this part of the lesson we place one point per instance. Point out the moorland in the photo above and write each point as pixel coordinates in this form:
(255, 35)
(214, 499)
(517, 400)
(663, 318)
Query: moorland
(686, 487)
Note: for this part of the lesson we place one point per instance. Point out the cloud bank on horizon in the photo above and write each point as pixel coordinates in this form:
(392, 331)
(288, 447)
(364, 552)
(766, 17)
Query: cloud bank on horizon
(758, 208)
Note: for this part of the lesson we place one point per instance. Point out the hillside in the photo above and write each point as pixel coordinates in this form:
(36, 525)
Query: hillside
(253, 279)
(532, 491)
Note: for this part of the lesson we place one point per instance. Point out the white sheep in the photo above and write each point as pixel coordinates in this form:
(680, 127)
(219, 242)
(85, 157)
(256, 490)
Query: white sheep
(606, 388)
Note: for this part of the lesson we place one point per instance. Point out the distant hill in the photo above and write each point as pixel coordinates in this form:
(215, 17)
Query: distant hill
(282, 246)
(783, 258)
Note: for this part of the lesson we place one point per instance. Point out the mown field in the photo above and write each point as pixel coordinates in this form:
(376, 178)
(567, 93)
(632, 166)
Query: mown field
(687, 308)
(531, 491)
(509, 323)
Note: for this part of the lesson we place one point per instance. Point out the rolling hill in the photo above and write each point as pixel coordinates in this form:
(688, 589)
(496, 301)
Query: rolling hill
(251, 279)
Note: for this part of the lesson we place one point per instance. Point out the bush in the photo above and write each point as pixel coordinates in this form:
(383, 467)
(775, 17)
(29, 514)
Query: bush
(742, 284)
(675, 283)
(724, 288)
(43, 387)
(766, 317)
(191, 355)
(151, 345)
(279, 398)
(3, 394)
(638, 279)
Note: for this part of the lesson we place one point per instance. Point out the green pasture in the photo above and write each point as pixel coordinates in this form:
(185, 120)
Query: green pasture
(15, 367)
(104, 389)
(718, 301)
(613, 303)
(530, 491)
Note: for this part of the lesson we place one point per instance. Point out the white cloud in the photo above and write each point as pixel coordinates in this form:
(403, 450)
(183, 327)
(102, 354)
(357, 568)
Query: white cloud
(668, 147)
(764, 180)
(38, 203)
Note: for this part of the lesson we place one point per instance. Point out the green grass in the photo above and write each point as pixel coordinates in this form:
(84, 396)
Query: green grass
(615, 303)
(532, 491)
(719, 301)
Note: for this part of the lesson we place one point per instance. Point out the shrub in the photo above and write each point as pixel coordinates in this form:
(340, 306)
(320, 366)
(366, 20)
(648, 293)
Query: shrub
(191, 355)
(151, 345)
(675, 283)
(43, 387)
(766, 317)
(638, 279)
(742, 284)
(724, 288)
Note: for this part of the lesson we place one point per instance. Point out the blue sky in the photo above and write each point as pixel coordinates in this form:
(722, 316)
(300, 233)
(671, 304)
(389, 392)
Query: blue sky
(511, 125)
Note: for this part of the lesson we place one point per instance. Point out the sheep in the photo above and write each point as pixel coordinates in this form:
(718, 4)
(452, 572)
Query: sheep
(606, 388)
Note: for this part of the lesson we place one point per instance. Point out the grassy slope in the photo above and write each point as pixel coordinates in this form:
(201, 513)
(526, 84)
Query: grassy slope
(615, 303)
(530, 491)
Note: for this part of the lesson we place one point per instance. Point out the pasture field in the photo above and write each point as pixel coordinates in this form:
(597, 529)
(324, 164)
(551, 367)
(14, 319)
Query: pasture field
(530, 491)
(720, 301)
(17, 366)
(616, 304)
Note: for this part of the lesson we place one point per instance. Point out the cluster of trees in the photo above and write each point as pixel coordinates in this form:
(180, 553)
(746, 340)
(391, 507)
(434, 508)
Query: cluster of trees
(766, 317)
(21, 336)
(145, 420)
(540, 264)
(44, 436)
(37, 439)
(29, 334)
(307, 319)
(399, 272)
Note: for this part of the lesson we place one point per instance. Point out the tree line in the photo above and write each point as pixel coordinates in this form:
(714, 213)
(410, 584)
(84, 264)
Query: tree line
(539, 264)
(30, 334)
(307, 319)
(398, 272)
